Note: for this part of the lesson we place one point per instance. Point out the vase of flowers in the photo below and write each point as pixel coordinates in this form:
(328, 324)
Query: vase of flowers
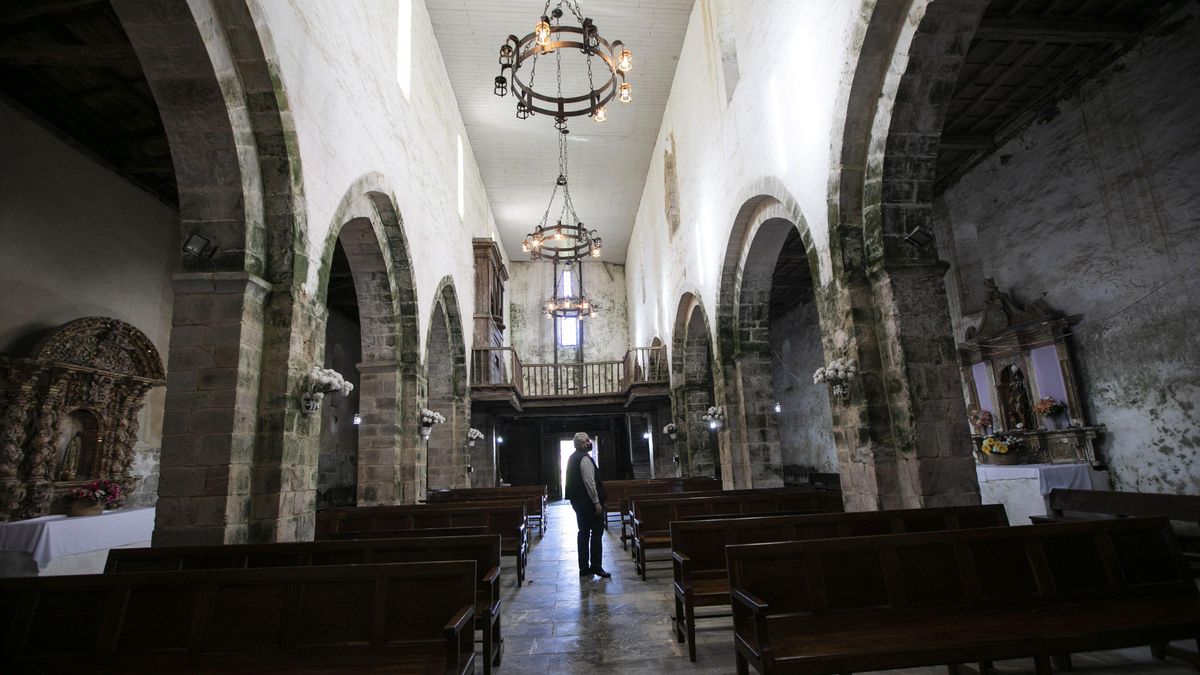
(1001, 450)
(473, 435)
(428, 419)
(981, 420)
(1050, 409)
(714, 417)
(671, 430)
(838, 374)
(92, 498)
(323, 381)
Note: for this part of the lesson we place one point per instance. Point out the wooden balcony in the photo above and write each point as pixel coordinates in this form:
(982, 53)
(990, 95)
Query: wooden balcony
(499, 376)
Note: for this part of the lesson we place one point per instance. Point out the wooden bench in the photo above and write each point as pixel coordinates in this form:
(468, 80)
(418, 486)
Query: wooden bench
(419, 533)
(959, 596)
(534, 496)
(698, 546)
(503, 518)
(395, 618)
(627, 502)
(1081, 504)
(484, 550)
(652, 518)
(620, 492)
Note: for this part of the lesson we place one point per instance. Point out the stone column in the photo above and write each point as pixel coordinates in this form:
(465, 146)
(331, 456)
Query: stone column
(210, 420)
(378, 433)
(933, 464)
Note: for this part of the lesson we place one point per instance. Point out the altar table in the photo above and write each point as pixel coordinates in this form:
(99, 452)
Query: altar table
(1022, 488)
(45, 539)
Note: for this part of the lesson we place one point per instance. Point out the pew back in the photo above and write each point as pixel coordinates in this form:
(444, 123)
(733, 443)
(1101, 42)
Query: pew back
(244, 620)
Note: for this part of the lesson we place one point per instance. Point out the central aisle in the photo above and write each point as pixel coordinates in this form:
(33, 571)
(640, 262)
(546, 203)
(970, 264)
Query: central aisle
(560, 623)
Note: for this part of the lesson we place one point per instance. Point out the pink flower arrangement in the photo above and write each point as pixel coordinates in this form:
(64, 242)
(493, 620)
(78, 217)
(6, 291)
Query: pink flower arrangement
(981, 418)
(1049, 406)
(104, 491)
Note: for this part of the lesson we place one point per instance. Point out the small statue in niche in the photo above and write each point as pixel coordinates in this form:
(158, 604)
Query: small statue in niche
(1016, 402)
(70, 458)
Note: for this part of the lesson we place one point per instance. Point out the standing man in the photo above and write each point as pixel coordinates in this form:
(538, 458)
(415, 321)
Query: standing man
(585, 489)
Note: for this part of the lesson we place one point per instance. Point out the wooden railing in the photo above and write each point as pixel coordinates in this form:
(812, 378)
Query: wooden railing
(501, 367)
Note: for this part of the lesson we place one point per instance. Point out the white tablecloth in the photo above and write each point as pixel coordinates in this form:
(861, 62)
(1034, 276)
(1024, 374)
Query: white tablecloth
(48, 537)
(1049, 476)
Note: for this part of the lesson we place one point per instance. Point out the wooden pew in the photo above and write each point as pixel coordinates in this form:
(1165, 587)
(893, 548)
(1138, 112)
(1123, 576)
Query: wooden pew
(698, 546)
(652, 518)
(619, 490)
(396, 618)
(484, 550)
(627, 503)
(534, 496)
(418, 533)
(1083, 504)
(959, 596)
(504, 518)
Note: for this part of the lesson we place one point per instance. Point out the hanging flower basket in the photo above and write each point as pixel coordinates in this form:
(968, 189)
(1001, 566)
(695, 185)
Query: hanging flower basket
(473, 435)
(323, 381)
(672, 431)
(838, 374)
(715, 417)
(428, 419)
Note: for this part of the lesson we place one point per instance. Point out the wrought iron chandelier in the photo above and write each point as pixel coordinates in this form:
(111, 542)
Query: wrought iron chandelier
(519, 56)
(568, 298)
(567, 239)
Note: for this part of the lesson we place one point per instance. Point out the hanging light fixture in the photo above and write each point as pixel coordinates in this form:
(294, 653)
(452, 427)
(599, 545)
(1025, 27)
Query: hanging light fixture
(568, 298)
(567, 238)
(607, 64)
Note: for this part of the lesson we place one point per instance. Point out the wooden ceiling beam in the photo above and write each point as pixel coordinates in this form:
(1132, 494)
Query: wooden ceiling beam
(67, 56)
(21, 12)
(1054, 31)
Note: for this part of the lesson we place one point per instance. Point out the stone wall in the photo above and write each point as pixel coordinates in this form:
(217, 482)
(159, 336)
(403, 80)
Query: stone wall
(1094, 210)
(805, 420)
(79, 240)
(605, 337)
(337, 465)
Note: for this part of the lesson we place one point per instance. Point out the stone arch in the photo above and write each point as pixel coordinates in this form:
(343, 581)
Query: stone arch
(762, 225)
(246, 325)
(693, 389)
(369, 228)
(909, 440)
(446, 392)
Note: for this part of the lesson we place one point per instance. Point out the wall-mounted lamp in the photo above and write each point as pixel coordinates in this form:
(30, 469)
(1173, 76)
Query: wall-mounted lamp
(646, 435)
(499, 440)
(198, 246)
(778, 408)
(920, 237)
(357, 419)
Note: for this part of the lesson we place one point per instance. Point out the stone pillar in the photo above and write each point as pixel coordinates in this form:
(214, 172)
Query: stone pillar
(933, 464)
(762, 460)
(378, 433)
(210, 419)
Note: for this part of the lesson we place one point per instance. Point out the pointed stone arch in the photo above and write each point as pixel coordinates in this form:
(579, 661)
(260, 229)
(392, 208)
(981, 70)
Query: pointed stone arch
(911, 446)
(445, 464)
(767, 217)
(701, 451)
(371, 232)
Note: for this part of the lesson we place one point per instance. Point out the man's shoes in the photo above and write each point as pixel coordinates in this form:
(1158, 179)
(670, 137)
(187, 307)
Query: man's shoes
(585, 573)
(599, 571)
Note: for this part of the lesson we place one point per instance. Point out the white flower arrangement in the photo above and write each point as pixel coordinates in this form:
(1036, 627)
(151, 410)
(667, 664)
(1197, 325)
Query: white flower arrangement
(715, 417)
(671, 430)
(323, 381)
(327, 380)
(838, 373)
(431, 417)
(474, 434)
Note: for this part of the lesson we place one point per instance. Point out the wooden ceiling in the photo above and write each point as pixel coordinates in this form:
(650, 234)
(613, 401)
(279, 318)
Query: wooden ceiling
(70, 64)
(1025, 56)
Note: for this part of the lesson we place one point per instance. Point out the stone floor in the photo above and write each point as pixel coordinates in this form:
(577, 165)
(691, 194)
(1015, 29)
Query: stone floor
(558, 623)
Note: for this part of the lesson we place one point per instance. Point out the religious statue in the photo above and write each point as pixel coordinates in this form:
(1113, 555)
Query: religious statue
(1016, 403)
(70, 460)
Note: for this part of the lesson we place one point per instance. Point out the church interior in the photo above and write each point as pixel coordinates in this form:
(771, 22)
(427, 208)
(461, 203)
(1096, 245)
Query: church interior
(882, 318)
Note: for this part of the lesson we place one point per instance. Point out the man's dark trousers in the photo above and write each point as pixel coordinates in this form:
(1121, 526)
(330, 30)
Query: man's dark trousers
(591, 530)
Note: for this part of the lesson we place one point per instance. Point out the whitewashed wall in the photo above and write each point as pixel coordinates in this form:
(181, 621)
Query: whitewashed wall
(605, 338)
(794, 65)
(338, 64)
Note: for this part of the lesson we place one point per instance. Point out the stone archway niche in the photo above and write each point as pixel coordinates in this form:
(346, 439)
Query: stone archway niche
(71, 413)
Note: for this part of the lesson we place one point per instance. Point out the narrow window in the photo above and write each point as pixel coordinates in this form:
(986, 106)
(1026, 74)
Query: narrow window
(462, 202)
(404, 46)
(568, 331)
